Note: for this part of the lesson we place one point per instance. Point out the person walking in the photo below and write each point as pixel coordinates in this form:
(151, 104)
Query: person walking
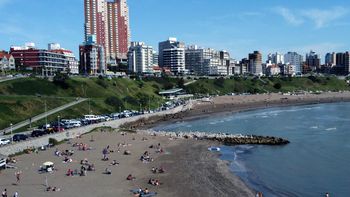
(15, 194)
(18, 177)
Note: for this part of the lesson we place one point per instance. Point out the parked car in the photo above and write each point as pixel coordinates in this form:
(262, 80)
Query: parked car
(19, 137)
(4, 141)
(38, 133)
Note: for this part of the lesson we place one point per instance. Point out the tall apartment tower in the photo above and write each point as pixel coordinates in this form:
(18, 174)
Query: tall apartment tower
(109, 21)
(313, 60)
(255, 63)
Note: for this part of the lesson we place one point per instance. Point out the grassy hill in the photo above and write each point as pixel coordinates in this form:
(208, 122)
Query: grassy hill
(23, 98)
(222, 86)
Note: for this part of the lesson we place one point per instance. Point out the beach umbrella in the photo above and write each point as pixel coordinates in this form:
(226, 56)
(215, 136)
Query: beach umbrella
(48, 163)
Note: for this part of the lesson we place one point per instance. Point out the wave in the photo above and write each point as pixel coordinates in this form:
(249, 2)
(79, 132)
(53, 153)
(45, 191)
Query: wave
(331, 129)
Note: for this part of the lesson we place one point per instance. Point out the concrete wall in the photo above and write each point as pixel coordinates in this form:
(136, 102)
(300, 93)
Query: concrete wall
(73, 133)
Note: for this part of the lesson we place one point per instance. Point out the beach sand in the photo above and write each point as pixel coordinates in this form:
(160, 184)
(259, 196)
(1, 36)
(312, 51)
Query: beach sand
(191, 170)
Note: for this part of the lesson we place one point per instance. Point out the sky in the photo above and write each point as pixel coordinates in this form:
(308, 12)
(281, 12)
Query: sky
(238, 26)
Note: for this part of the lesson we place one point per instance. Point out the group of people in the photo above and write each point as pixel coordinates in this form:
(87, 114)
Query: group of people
(4, 193)
(154, 182)
(158, 170)
(146, 158)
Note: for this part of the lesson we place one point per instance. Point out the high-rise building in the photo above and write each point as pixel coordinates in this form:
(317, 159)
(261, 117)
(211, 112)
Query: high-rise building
(343, 63)
(313, 61)
(255, 63)
(295, 59)
(331, 59)
(174, 58)
(92, 57)
(195, 58)
(140, 58)
(155, 58)
(171, 43)
(172, 55)
(276, 58)
(109, 21)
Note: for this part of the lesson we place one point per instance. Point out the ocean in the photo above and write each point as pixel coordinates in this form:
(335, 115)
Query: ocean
(315, 162)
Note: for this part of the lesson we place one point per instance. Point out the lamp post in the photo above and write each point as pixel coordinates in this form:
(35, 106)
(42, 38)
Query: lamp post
(11, 132)
(45, 114)
(58, 124)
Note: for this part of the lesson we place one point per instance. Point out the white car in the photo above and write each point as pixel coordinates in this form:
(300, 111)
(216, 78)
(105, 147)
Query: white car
(4, 141)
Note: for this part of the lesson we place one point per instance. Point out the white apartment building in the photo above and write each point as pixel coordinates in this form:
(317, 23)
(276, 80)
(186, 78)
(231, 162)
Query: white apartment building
(295, 59)
(174, 58)
(140, 58)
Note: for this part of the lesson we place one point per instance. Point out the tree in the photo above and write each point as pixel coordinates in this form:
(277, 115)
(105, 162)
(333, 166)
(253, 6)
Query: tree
(60, 79)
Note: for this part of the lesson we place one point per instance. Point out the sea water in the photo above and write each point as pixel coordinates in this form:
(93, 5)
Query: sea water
(315, 162)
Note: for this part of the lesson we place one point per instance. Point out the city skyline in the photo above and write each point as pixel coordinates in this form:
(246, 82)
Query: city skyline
(293, 26)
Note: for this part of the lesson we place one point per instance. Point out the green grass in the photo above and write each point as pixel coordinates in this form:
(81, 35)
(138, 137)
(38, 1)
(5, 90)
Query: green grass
(21, 99)
(15, 109)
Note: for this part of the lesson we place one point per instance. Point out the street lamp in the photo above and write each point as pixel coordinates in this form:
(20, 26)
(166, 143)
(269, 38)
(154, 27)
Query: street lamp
(11, 132)
(58, 123)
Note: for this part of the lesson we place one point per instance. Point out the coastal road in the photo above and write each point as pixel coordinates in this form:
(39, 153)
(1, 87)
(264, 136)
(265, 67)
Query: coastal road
(43, 115)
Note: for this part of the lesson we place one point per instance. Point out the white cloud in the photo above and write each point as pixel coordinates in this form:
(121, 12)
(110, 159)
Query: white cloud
(289, 16)
(322, 18)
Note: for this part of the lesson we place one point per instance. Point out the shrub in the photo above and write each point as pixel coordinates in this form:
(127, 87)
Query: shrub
(102, 83)
(114, 101)
(277, 86)
(53, 142)
(60, 79)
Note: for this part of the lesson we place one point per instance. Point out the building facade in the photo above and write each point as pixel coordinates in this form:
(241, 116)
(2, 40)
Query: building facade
(295, 59)
(140, 58)
(255, 63)
(48, 62)
(313, 61)
(171, 43)
(276, 58)
(92, 58)
(174, 59)
(7, 62)
(109, 21)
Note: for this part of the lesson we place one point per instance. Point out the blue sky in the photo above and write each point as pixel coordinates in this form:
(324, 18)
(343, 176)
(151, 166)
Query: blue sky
(239, 26)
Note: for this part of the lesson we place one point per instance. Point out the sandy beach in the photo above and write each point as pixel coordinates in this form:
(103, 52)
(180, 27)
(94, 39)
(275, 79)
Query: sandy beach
(190, 169)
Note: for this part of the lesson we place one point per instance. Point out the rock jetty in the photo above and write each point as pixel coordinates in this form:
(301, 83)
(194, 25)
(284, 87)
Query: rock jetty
(224, 138)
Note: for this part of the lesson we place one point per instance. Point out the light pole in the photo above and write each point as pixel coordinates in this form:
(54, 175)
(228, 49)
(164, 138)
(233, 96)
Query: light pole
(58, 124)
(45, 114)
(11, 132)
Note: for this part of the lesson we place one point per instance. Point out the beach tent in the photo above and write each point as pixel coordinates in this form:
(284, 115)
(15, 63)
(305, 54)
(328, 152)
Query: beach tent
(48, 166)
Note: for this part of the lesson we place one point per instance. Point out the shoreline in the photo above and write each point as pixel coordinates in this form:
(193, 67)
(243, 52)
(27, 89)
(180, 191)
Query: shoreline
(225, 105)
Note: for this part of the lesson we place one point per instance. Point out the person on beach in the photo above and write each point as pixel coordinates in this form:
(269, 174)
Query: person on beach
(4, 193)
(15, 194)
(18, 177)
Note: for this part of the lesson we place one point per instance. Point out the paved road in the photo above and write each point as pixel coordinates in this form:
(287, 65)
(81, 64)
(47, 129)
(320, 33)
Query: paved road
(41, 116)
(3, 79)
